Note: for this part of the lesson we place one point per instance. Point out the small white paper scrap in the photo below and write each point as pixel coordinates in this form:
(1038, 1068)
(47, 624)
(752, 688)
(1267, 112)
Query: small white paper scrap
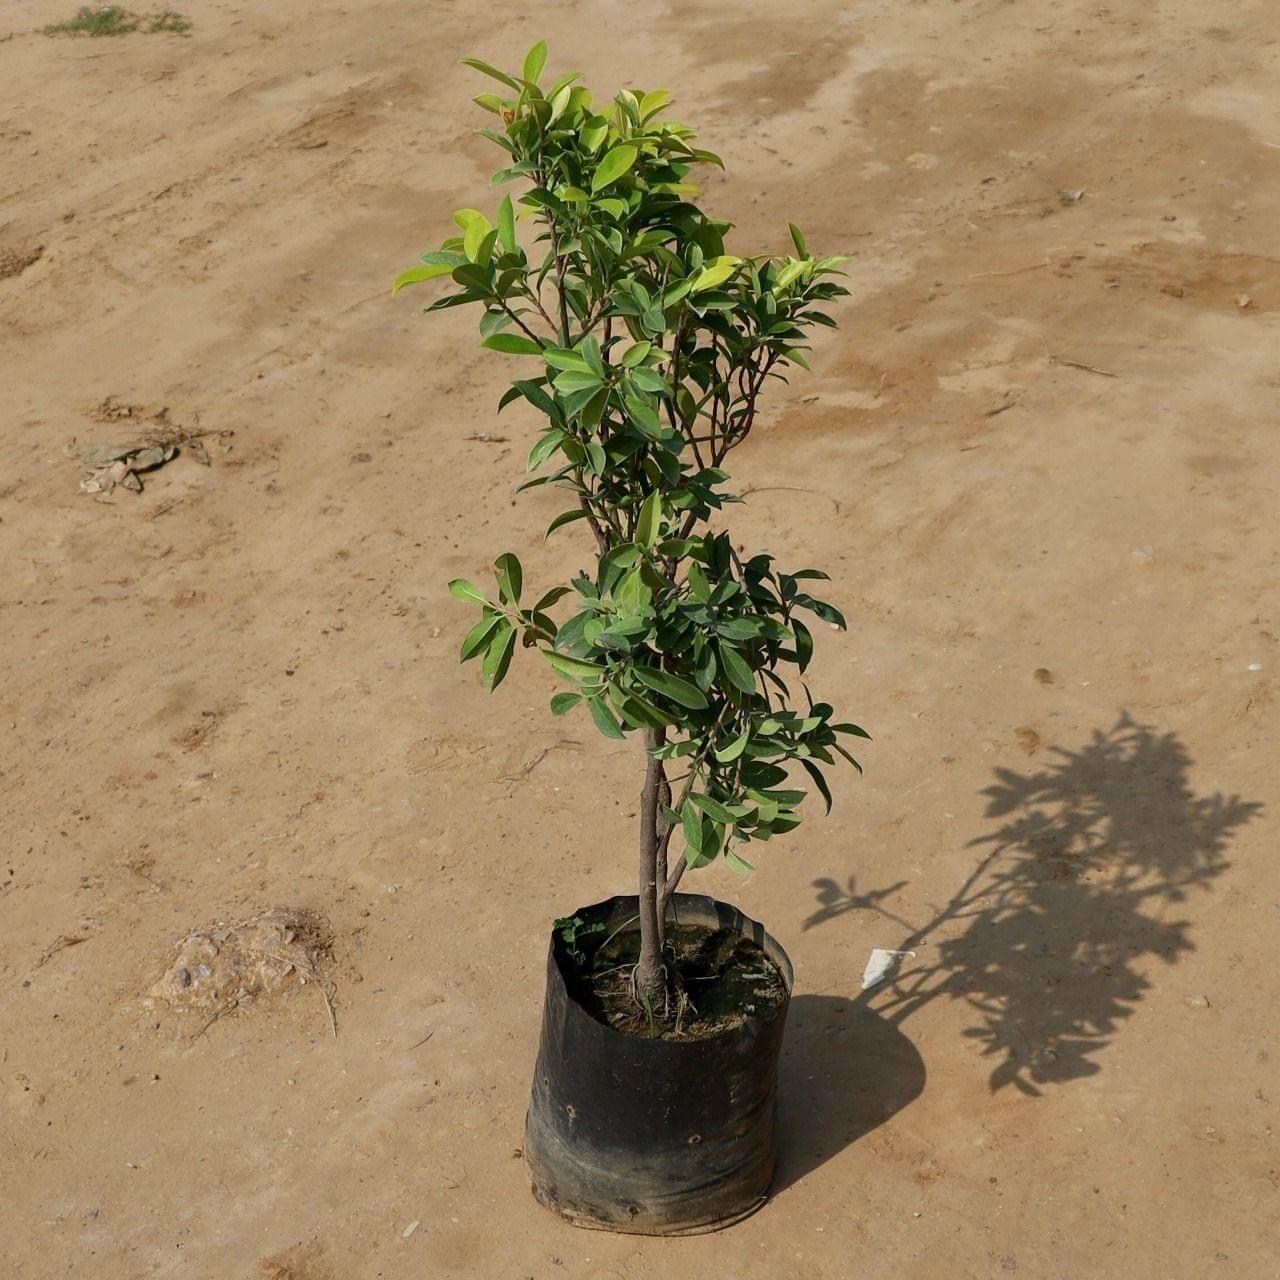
(881, 965)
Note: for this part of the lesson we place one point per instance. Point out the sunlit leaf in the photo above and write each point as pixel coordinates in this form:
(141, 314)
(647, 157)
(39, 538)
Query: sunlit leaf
(534, 61)
(615, 163)
(512, 344)
(461, 589)
(510, 577)
(416, 275)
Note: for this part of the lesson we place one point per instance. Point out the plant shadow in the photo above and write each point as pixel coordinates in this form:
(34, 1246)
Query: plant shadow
(845, 1070)
(1049, 940)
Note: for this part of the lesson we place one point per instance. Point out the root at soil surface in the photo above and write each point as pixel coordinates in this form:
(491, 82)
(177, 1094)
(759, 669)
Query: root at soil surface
(717, 979)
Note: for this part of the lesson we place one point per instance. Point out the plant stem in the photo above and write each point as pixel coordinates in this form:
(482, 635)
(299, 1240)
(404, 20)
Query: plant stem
(651, 982)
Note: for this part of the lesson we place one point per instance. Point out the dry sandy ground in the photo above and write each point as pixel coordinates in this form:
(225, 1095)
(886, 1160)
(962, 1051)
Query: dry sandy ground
(1040, 458)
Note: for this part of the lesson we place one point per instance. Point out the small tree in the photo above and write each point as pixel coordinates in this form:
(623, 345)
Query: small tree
(649, 346)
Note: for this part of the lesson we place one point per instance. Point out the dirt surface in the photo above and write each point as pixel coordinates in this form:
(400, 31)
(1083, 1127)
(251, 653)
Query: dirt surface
(1040, 459)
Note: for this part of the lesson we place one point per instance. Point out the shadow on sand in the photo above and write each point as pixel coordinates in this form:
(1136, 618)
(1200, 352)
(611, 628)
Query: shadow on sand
(1047, 943)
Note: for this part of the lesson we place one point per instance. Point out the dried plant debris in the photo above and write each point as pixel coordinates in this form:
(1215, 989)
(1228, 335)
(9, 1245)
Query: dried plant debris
(158, 440)
(13, 262)
(121, 465)
(221, 968)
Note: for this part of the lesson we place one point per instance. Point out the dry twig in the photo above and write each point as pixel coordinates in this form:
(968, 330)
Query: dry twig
(1088, 368)
(1017, 271)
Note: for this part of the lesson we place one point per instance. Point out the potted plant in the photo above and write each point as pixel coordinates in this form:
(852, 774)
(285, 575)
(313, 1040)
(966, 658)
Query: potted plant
(647, 348)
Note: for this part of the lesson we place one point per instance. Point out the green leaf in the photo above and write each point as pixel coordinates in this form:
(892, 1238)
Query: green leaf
(550, 597)
(564, 518)
(715, 272)
(592, 133)
(438, 257)
(575, 380)
(676, 688)
(492, 71)
(653, 102)
(512, 344)
(709, 846)
(726, 755)
(654, 321)
(473, 238)
(649, 380)
(478, 637)
(644, 417)
(736, 669)
(691, 825)
(739, 628)
(797, 239)
(827, 612)
(471, 275)
(635, 354)
(496, 322)
(563, 702)
(819, 781)
(498, 658)
(854, 729)
(649, 525)
(537, 397)
(591, 354)
(604, 718)
(713, 808)
(574, 668)
(804, 643)
(534, 61)
(615, 163)
(510, 577)
(461, 589)
(559, 103)
(545, 446)
(564, 358)
(738, 864)
(416, 275)
(507, 224)
(623, 556)
(790, 272)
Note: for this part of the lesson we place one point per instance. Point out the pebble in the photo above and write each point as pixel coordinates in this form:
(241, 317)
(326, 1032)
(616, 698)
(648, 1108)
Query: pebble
(1197, 1002)
(410, 1229)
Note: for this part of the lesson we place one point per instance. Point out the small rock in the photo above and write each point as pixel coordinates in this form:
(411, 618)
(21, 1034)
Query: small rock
(362, 457)
(1044, 675)
(1244, 302)
(410, 1229)
(182, 978)
(1197, 1002)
